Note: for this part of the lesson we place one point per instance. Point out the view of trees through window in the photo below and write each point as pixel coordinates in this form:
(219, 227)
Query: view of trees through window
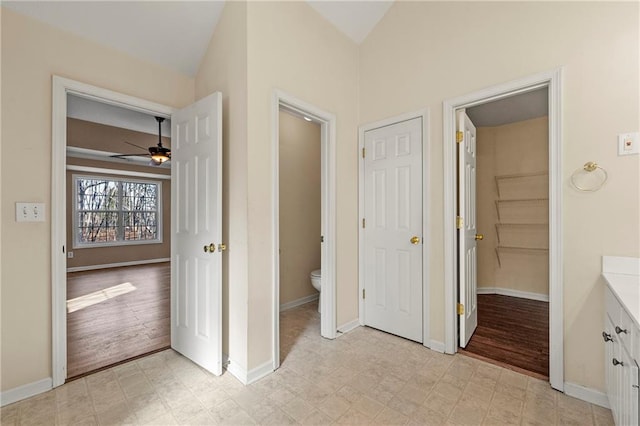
(116, 210)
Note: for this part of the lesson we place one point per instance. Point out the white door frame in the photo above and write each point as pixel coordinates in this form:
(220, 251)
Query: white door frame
(553, 80)
(61, 87)
(328, 177)
(426, 197)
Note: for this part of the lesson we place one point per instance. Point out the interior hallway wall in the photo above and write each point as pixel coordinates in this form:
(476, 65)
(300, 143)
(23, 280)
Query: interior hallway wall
(517, 150)
(31, 53)
(300, 206)
(224, 69)
(406, 64)
(293, 48)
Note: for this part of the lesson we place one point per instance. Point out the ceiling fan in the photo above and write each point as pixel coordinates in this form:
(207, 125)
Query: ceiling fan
(159, 154)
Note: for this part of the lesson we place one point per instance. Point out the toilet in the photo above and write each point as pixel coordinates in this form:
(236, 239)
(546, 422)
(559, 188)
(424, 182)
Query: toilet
(316, 282)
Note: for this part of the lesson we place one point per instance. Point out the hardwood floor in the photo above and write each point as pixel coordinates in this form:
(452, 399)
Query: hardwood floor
(512, 332)
(116, 314)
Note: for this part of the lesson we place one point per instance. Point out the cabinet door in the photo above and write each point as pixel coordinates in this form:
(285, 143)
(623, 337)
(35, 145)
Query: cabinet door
(612, 372)
(628, 389)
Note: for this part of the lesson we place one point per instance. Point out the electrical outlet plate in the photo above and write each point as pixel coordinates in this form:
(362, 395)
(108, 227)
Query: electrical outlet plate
(30, 212)
(628, 143)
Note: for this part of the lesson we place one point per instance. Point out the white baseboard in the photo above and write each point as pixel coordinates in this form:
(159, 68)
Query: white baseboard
(434, 345)
(235, 369)
(586, 394)
(259, 372)
(246, 378)
(349, 326)
(25, 391)
(298, 302)
(514, 293)
(117, 265)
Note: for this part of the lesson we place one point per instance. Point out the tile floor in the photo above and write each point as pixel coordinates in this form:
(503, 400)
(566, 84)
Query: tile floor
(363, 377)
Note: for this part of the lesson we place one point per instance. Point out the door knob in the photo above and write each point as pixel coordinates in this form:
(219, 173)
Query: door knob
(479, 237)
(222, 247)
(607, 337)
(415, 240)
(210, 248)
(620, 330)
(616, 362)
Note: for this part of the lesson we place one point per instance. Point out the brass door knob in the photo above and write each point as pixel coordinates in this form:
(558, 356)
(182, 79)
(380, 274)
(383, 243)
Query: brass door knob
(210, 248)
(479, 237)
(415, 240)
(222, 247)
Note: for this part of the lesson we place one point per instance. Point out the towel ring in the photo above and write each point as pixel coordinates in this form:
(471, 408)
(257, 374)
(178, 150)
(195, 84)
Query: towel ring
(589, 178)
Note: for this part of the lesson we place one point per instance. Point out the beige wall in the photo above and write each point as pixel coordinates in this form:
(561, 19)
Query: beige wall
(224, 69)
(513, 149)
(31, 53)
(300, 206)
(414, 59)
(292, 48)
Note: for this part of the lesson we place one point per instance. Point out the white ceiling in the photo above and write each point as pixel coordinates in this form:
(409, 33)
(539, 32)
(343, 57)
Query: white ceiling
(516, 108)
(175, 34)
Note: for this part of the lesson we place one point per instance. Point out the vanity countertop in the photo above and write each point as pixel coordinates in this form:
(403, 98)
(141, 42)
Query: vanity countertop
(623, 278)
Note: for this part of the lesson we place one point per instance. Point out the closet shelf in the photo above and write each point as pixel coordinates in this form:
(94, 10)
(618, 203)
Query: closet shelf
(526, 235)
(519, 250)
(512, 187)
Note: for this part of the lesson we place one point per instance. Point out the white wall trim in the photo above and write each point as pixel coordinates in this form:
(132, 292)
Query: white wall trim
(514, 293)
(426, 199)
(118, 265)
(60, 88)
(586, 394)
(235, 369)
(553, 80)
(247, 377)
(349, 326)
(259, 372)
(437, 346)
(102, 170)
(25, 391)
(298, 302)
(328, 177)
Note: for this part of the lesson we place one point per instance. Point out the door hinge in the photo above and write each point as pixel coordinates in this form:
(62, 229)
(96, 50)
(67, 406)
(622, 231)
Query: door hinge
(363, 293)
(459, 136)
(363, 222)
(460, 309)
(362, 152)
(459, 222)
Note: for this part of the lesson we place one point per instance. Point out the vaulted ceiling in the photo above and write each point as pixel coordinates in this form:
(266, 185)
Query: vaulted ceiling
(175, 34)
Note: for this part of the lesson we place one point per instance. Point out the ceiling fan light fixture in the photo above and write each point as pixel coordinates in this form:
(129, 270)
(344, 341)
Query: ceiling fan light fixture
(159, 158)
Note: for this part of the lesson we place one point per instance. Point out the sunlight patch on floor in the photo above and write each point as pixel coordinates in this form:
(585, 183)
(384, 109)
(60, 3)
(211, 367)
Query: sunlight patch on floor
(98, 296)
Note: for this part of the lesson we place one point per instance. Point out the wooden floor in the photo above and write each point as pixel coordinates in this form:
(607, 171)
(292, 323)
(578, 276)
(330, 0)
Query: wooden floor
(116, 314)
(512, 332)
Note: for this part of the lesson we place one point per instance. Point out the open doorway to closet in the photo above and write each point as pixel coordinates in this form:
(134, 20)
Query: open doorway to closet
(118, 207)
(551, 81)
(506, 143)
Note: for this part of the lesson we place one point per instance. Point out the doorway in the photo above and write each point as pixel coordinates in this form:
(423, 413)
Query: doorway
(62, 88)
(197, 162)
(508, 273)
(327, 237)
(552, 82)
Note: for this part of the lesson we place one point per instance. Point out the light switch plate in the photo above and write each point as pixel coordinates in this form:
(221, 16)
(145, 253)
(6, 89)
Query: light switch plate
(30, 212)
(628, 143)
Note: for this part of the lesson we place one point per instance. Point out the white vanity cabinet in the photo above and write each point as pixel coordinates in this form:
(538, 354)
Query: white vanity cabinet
(621, 353)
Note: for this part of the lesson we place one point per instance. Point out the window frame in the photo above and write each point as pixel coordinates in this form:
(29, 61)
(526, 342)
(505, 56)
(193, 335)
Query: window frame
(77, 244)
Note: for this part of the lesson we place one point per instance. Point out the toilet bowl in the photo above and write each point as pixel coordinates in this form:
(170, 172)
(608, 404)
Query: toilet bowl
(316, 282)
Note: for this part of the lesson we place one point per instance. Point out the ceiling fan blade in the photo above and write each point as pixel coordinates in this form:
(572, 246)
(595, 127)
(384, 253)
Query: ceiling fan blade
(137, 146)
(128, 155)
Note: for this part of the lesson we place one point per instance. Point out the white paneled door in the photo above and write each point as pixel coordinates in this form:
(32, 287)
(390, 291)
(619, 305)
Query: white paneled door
(467, 228)
(393, 229)
(196, 224)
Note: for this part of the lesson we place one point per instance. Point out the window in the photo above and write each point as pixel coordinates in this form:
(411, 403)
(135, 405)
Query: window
(110, 211)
